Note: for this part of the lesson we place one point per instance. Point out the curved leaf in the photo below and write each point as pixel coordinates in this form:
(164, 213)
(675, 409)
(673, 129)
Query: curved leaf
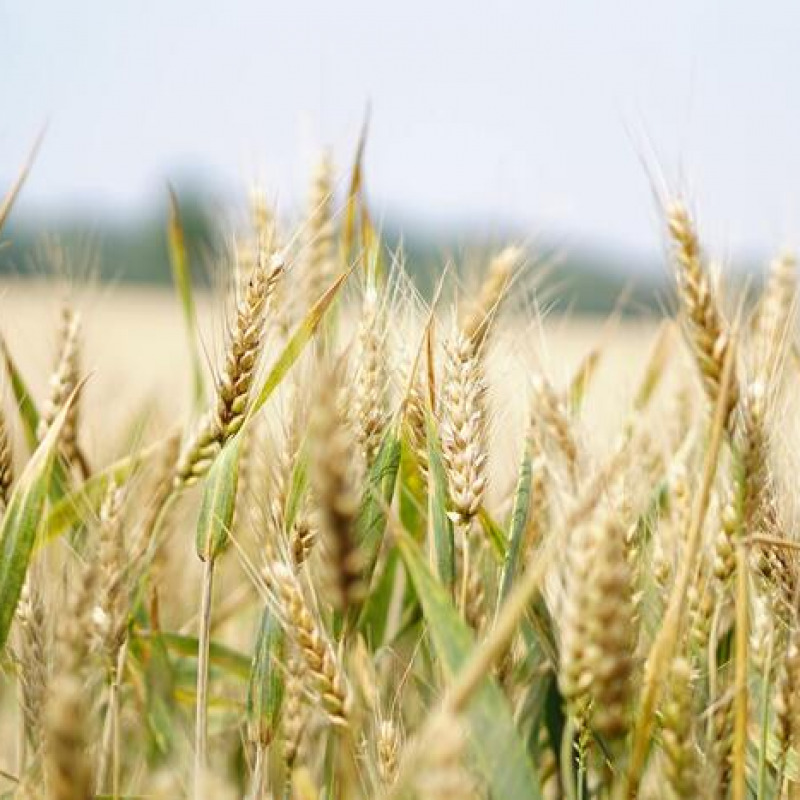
(219, 501)
(295, 345)
(85, 501)
(442, 538)
(378, 493)
(266, 684)
(224, 658)
(519, 523)
(23, 518)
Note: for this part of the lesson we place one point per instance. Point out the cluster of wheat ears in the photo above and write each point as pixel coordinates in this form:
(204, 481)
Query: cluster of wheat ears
(613, 624)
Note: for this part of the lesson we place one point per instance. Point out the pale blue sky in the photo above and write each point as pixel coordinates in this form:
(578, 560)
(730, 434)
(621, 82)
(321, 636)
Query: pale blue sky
(536, 112)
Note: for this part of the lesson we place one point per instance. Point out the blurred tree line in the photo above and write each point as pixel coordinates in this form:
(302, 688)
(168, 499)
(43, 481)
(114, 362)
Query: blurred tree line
(135, 251)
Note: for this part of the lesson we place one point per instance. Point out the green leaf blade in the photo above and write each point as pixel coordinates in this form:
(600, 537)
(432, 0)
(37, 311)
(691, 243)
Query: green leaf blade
(23, 519)
(519, 524)
(219, 501)
(265, 688)
(500, 754)
(441, 525)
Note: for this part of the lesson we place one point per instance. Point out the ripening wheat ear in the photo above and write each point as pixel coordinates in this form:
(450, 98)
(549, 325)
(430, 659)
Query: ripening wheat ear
(549, 413)
(477, 321)
(295, 716)
(388, 745)
(267, 235)
(111, 609)
(573, 676)
(725, 543)
(720, 741)
(753, 510)
(681, 767)
(33, 657)
(369, 397)
(775, 318)
(612, 633)
(751, 441)
(538, 508)
(706, 329)
(6, 462)
(463, 428)
(270, 508)
(279, 476)
(62, 383)
(598, 631)
(320, 245)
(414, 416)
(234, 384)
(274, 526)
(324, 669)
(334, 457)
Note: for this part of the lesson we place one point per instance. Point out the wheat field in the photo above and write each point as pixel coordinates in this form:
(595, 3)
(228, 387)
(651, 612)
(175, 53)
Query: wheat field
(312, 535)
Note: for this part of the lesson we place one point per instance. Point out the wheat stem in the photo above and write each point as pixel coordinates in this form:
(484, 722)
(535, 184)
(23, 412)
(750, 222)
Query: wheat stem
(740, 680)
(203, 642)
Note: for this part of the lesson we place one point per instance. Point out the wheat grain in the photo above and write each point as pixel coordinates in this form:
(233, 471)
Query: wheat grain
(326, 675)
(706, 328)
(463, 428)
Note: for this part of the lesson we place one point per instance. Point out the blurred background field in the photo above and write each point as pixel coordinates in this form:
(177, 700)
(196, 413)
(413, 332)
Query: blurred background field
(135, 353)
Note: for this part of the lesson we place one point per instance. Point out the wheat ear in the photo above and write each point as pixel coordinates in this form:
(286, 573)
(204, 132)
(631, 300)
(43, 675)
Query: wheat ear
(706, 329)
(369, 396)
(328, 680)
(32, 656)
(6, 462)
(463, 428)
(62, 383)
(234, 384)
(476, 323)
(336, 496)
